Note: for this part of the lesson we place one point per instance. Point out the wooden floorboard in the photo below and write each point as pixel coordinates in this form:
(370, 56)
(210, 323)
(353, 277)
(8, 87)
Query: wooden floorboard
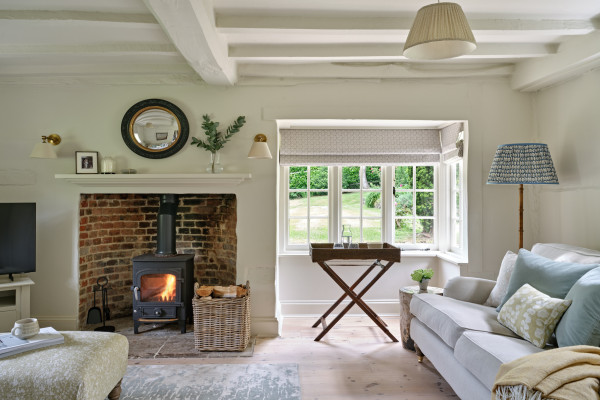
(354, 361)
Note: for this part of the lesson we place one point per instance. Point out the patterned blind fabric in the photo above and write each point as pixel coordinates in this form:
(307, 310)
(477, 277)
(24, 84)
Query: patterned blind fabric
(361, 146)
(449, 136)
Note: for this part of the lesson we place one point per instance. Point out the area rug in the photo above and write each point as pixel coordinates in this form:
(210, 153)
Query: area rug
(212, 382)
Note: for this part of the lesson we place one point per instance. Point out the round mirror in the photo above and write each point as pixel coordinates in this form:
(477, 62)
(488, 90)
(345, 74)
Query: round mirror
(155, 128)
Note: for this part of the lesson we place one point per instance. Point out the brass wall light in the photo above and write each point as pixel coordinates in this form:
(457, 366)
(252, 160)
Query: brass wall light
(45, 149)
(259, 148)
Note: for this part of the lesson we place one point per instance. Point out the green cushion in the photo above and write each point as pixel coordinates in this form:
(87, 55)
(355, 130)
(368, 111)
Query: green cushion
(581, 322)
(553, 278)
(532, 315)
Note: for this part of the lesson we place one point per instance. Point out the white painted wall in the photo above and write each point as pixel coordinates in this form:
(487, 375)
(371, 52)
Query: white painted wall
(89, 118)
(569, 122)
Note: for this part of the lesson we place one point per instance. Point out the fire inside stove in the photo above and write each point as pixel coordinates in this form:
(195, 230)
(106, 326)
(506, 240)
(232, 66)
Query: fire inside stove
(158, 287)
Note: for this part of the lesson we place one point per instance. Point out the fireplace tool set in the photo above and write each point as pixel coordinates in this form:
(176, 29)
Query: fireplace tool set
(95, 315)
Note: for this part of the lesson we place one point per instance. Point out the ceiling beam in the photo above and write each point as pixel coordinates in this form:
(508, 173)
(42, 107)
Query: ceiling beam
(190, 26)
(130, 48)
(88, 16)
(575, 56)
(372, 71)
(329, 51)
(231, 23)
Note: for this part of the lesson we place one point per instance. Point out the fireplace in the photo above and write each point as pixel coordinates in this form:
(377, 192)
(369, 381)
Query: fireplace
(163, 288)
(163, 282)
(117, 228)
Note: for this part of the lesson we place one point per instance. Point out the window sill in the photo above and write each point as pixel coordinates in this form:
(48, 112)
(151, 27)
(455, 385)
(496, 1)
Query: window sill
(453, 258)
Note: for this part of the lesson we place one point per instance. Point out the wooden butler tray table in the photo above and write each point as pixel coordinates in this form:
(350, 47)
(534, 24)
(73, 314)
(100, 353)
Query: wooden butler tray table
(322, 252)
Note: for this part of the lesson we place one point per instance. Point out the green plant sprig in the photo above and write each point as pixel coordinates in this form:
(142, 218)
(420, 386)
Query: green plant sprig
(420, 274)
(215, 140)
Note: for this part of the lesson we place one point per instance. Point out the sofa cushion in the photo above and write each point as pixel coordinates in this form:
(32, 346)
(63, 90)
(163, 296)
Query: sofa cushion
(553, 278)
(482, 353)
(581, 322)
(449, 318)
(499, 291)
(532, 314)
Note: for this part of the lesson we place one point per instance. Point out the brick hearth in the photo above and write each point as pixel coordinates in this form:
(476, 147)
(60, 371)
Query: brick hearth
(114, 228)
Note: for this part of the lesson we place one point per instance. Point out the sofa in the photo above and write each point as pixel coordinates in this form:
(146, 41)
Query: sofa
(462, 337)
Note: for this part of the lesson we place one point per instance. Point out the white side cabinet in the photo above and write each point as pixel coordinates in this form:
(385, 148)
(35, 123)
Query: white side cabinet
(14, 301)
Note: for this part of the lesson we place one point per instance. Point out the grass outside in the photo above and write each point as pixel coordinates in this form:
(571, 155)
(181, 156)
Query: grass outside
(319, 211)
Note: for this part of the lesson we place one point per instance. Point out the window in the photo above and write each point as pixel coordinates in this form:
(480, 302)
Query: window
(320, 200)
(456, 206)
(308, 205)
(397, 185)
(361, 202)
(414, 198)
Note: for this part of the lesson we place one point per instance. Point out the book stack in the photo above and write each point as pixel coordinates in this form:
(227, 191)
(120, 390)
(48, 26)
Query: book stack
(10, 345)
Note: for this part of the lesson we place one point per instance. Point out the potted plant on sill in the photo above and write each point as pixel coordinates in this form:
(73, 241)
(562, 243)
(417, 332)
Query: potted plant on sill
(215, 140)
(422, 276)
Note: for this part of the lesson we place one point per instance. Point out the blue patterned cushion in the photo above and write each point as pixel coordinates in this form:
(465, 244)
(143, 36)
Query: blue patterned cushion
(581, 322)
(550, 277)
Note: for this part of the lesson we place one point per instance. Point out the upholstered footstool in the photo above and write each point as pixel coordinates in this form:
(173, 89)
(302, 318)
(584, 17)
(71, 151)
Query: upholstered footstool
(88, 366)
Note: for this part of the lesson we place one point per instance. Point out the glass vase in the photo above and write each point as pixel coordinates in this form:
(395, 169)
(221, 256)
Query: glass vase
(214, 166)
(346, 236)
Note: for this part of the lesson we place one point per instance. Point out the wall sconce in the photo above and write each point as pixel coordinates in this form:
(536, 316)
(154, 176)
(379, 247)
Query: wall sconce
(44, 149)
(259, 148)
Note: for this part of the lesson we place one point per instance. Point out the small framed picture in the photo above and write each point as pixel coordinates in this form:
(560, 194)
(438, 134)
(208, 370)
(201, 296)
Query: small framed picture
(86, 162)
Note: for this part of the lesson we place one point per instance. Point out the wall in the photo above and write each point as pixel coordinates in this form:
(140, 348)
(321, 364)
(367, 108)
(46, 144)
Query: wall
(89, 118)
(569, 122)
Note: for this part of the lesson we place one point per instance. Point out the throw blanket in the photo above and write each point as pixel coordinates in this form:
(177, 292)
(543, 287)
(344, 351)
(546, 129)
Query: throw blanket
(566, 373)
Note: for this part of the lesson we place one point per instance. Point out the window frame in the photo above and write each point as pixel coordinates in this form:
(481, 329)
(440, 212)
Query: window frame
(414, 217)
(387, 218)
(453, 165)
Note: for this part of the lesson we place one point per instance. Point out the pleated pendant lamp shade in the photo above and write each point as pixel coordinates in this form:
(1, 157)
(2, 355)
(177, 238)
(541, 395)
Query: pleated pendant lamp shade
(439, 31)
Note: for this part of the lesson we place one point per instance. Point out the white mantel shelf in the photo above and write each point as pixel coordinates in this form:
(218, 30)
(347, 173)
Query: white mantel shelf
(152, 180)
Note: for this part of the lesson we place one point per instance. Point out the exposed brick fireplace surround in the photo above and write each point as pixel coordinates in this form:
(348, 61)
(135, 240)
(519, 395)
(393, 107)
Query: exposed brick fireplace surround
(114, 228)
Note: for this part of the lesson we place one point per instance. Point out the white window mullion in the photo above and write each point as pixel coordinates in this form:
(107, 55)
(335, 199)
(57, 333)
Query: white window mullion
(335, 203)
(387, 205)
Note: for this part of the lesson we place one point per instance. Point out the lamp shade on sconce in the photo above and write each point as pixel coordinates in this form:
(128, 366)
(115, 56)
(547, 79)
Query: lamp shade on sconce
(439, 31)
(259, 148)
(45, 149)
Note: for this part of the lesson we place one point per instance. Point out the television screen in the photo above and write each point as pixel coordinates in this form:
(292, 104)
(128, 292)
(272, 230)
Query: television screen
(17, 238)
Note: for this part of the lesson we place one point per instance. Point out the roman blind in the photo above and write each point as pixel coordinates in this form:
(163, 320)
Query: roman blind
(359, 146)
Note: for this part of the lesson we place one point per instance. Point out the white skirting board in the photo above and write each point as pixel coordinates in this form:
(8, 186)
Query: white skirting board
(383, 307)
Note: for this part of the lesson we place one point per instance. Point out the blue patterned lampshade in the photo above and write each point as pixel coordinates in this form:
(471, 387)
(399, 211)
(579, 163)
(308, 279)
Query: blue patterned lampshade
(522, 163)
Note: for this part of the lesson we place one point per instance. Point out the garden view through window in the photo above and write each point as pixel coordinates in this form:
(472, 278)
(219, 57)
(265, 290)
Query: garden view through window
(323, 198)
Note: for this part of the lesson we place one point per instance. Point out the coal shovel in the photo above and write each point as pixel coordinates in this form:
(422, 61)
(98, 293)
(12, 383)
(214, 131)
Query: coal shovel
(94, 314)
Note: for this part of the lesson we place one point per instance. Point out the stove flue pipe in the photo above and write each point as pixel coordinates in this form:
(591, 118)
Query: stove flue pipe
(167, 218)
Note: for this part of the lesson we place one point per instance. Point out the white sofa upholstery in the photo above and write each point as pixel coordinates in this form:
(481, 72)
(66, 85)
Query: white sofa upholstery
(462, 338)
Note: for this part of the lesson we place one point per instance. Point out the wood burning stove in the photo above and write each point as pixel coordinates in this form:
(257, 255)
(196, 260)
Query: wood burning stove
(163, 283)
(163, 288)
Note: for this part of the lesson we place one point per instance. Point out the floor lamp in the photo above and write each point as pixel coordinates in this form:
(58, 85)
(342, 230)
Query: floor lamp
(522, 163)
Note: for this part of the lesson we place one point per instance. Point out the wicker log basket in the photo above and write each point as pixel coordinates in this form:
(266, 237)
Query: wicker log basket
(222, 324)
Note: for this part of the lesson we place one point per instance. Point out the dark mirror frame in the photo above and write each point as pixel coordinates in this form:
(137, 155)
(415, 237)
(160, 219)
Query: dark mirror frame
(145, 105)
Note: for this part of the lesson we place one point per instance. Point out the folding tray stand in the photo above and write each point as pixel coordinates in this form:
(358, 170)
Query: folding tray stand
(323, 252)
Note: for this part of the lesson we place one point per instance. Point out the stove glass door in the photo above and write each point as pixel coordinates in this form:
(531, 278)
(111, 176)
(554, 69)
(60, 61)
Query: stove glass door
(158, 287)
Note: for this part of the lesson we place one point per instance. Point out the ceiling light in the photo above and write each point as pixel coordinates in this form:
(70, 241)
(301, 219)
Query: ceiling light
(439, 31)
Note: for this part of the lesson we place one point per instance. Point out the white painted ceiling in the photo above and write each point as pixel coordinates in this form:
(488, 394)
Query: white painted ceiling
(535, 43)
